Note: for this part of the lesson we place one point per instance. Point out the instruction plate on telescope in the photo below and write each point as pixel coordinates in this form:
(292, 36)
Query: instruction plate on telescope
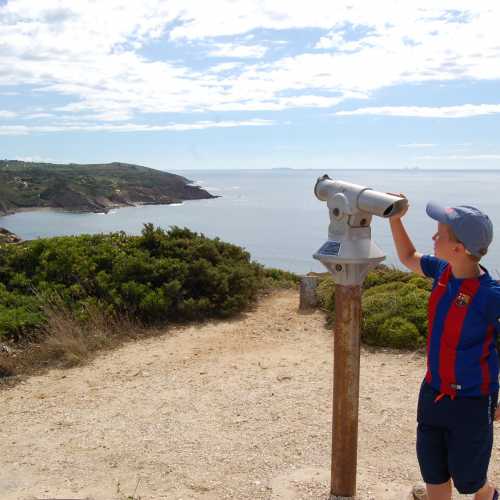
(330, 248)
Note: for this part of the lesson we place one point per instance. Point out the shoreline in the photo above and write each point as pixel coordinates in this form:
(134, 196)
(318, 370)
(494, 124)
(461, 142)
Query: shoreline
(69, 210)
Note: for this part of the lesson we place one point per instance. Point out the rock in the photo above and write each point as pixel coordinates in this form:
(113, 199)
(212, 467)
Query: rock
(7, 237)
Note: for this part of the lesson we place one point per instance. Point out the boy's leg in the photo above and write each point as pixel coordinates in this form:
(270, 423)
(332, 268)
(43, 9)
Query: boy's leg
(470, 444)
(432, 447)
(444, 492)
(439, 491)
(487, 492)
(432, 457)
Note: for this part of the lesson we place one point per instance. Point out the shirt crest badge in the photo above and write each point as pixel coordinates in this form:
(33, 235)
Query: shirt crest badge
(462, 300)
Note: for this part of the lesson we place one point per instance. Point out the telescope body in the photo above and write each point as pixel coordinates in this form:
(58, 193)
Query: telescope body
(359, 198)
(350, 251)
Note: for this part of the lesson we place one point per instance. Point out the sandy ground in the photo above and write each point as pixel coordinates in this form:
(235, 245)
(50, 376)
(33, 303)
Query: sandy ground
(238, 409)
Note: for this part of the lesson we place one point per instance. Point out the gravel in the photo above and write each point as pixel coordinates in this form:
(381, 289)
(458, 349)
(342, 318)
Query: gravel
(237, 409)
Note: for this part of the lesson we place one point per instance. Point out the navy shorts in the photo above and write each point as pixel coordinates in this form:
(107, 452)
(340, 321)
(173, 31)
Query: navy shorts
(455, 438)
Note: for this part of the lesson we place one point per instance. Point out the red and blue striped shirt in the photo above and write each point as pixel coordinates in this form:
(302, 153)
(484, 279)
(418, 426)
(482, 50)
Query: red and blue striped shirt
(464, 323)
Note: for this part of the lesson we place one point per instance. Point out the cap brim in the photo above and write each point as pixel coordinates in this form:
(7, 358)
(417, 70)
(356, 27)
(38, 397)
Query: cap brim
(436, 212)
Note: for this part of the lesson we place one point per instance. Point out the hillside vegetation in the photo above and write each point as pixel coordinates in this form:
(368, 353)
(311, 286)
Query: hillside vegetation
(63, 297)
(89, 188)
(159, 276)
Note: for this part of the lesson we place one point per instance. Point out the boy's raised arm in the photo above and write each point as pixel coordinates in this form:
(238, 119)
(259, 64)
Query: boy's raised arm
(407, 254)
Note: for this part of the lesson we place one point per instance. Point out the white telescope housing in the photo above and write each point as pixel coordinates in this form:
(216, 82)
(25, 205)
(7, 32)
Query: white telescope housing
(350, 252)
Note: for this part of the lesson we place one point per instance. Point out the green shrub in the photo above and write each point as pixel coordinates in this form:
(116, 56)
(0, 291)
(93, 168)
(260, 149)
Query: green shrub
(398, 333)
(421, 282)
(277, 278)
(326, 294)
(383, 274)
(16, 323)
(393, 300)
(393, 287)
(394, 307)
(19, 314)
(160, 276)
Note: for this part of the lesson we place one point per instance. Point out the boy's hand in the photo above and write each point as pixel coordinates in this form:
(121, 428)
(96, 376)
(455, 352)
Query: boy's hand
(400, 214)
(497, 413)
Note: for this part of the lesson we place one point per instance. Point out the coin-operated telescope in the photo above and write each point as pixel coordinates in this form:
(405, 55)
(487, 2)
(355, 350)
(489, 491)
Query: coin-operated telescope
(350, 252)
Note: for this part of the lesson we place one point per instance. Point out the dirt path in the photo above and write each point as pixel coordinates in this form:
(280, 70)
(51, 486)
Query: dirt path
(228, 410)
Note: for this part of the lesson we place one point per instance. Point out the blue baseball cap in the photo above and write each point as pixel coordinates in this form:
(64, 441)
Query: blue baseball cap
(471, 226)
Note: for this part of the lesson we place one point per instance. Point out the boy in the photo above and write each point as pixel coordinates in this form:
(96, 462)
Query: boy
(459, 395)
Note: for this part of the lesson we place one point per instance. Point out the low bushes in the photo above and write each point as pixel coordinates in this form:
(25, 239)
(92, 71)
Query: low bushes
(326, 294)
(394, 307)
(160, 276)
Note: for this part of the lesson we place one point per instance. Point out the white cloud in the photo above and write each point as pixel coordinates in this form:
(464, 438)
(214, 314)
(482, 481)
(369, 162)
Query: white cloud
(454, 157)
(279, 103)
(338, 40)
(332, 40)
(220, 68)
(131, 127)
(221, 124)
(238, 51)
(462, 111)
(35, 159)
(7, 114)
(418, 145)
(95, 54)
(13, 130)
(35, 116)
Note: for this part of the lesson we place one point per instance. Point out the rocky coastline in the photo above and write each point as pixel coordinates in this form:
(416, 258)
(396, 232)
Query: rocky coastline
(7, 236)
(89, 188)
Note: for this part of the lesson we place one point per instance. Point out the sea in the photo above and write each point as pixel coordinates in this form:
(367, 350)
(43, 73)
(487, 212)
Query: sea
(275, 215)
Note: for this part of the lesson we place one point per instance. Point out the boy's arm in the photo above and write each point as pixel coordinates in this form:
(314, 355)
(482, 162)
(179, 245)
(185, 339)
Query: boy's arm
(407, 254)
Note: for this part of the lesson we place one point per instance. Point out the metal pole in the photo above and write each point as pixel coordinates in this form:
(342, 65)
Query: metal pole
(345, 391)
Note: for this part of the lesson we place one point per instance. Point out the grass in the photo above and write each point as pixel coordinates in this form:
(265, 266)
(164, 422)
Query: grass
(67, 342)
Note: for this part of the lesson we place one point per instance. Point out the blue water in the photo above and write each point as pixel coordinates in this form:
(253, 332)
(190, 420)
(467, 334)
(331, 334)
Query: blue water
(275, 215)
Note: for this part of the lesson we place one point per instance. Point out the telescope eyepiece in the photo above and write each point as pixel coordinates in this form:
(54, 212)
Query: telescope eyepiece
(388, 210)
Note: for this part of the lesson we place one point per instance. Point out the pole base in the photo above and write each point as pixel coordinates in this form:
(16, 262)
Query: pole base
(335, 497)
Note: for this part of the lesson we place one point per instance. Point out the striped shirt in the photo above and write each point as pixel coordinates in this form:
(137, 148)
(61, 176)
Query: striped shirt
(464, 324)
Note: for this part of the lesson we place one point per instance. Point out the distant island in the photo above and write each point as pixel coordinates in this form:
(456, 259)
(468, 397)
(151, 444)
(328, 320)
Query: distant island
(89, 188)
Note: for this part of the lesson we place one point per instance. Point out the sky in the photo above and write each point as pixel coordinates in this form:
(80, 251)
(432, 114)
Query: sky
(232, 84)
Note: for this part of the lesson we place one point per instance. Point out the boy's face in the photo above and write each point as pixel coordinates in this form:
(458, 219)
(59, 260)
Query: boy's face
(446, 247)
